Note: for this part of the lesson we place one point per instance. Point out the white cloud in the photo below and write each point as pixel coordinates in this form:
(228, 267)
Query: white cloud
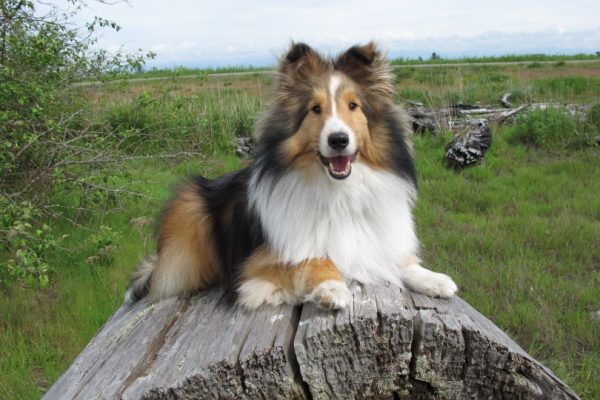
(242, 32)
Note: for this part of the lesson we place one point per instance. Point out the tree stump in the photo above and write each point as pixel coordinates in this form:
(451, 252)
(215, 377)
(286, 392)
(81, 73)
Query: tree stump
(390, 343)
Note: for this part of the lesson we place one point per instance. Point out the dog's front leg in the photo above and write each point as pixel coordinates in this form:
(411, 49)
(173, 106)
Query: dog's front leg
(424, 281)
(266, 280)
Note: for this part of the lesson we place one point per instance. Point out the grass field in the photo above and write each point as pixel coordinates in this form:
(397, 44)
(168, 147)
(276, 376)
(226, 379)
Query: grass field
(520, 233)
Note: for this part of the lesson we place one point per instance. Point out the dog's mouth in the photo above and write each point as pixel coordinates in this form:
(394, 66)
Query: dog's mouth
(339, 167)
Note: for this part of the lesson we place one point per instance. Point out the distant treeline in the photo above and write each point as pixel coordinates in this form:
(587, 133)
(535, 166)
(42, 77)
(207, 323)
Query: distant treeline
(439, 59)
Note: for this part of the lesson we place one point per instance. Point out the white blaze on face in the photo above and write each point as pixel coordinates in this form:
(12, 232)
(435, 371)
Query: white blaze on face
(335, 124)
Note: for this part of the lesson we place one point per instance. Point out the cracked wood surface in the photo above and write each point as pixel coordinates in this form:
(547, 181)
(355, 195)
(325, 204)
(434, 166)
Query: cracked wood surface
(389, 343)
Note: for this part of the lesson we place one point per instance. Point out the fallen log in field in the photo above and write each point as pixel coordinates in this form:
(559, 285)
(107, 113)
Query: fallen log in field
(461, 116)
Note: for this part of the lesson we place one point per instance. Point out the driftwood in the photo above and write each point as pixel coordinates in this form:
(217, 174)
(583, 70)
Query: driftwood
(462, 116)
(505, 102)
(388, 344)
(467, 149)
(243, 146)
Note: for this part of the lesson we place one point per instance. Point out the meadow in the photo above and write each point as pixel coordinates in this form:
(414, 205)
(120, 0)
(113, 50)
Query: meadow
(520, 232)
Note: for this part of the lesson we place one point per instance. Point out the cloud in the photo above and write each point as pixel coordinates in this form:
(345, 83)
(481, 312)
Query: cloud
(552, 41)
(240, 32)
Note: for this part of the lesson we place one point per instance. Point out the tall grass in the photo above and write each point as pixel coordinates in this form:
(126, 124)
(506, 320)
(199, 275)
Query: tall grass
(179, 117)
(486, 84)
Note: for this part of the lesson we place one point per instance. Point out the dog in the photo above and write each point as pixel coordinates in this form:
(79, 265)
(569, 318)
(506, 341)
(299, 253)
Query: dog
(327, 198)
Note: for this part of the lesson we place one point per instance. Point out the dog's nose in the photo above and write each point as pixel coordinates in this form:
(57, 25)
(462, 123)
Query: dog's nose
(338, 140)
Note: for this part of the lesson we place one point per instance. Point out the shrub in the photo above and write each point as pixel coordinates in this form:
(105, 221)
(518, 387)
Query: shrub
(593, 118)
(41, 139)
(26, 244)
(547, 127)
(104, 244)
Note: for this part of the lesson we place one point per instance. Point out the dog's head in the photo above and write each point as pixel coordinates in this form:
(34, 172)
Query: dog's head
(327, 113)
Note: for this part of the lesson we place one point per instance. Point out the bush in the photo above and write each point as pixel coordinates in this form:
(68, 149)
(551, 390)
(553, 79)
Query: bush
(26, 242)
(593, 118)
(43, 143)
(39, 57)
(104, 244)
(547, 127)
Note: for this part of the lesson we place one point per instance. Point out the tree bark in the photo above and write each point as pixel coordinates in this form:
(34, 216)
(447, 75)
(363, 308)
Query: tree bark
(390, 343)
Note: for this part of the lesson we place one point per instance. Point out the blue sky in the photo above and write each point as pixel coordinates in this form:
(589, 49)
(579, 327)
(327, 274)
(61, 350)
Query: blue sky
(235, 32)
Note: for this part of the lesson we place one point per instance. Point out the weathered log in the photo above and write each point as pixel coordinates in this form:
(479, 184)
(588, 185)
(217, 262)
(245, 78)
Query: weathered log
(460, 116)
(243, 146)
(467, 149)
(390, 343)
(503, 116)
(423, 119)
(504, 100)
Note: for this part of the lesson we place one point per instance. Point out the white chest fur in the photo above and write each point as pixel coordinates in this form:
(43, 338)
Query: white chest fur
(363, 223)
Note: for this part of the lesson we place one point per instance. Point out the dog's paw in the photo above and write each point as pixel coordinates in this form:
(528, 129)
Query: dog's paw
(430, 283)
(255, 292)
(438, 285)
(331, 295)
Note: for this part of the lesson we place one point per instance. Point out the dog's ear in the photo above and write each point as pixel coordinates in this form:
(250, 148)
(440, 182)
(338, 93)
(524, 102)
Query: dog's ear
(367, 66)
(297, 51)
(301, 61)
(360, 56)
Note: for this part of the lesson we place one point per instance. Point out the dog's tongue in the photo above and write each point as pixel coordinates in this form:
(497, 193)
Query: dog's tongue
(340, 163)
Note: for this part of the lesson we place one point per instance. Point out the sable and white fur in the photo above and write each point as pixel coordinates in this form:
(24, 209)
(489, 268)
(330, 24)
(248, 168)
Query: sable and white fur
(328, 197)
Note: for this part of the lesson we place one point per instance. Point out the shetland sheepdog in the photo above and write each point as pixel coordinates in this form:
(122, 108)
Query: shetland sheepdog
(328, 197)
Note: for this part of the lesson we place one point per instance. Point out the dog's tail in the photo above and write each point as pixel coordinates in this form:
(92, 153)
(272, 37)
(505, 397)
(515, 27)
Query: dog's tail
(139, 284)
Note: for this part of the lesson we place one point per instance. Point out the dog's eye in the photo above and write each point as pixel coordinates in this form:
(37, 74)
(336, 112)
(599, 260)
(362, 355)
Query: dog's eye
(352, 106)
(317, 109)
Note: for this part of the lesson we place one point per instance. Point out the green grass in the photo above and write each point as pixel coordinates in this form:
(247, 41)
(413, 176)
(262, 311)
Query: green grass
(179, 72)
(519, 233)
(567, 86)
(485, 84)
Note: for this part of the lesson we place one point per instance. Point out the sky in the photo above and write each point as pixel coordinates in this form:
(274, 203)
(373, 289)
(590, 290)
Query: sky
(236, 32)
